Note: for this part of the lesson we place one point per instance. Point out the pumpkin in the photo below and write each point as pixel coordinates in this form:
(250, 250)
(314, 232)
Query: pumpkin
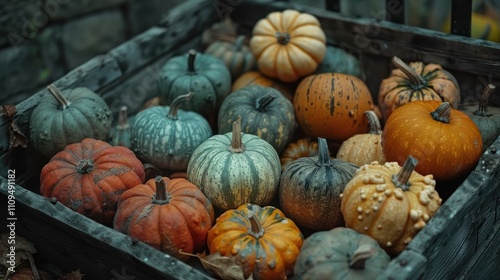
(446, 141)
(288, 45)
(89, 177)
(317, 183)
(364, 148)
(416, 81)
(167, 214)
(256, 78)
(226, 29)
(304, 147)
(264, 242)
(166, 136)
(68, 117)
(340, 61)
(332, 106)
(265, 112)
(235, 55)
(482, 27)
(203, 74)
(487, 122)
(390, 203)
(121, 133)
(340, 253)
(235, 168)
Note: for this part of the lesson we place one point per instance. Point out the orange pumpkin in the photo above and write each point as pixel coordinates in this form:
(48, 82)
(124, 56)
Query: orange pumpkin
(416, 81)
(288, 45)
(332, 106)
(304, 147)
(256, 78)
(446, 142)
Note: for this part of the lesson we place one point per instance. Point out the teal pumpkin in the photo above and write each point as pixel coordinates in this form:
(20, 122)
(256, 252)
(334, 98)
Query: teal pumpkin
(235, 168)
(339, 61)
(316, 182)
(67, 117)
(121, 133)
(203, 74)
(264, 111)
(166, 136)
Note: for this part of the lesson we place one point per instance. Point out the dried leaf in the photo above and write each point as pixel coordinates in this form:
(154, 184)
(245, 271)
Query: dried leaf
(9, 110)
(73, 275)
(224, 267)
(17, 137)
(22, 245)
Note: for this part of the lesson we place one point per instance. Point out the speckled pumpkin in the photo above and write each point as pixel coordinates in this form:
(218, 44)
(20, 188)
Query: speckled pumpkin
(390, 203)
(121, 134)
(235, 55)
(304, 147)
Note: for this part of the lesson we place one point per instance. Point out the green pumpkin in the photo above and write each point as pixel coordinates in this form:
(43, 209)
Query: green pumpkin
(236, 55)
(121, 134)
(67, 117)
(316, 182)
(339, 61)
(264, 111)
(340, 254)
(203, 74)
(166, 136)
(235, 168)
(488, 121)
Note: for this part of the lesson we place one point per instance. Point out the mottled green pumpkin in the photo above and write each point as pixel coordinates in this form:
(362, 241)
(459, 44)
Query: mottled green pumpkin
(166, 136)
(67, 117)
(235, 168)
(204, 74)
(340, 254)
(339, 61)
(264, 112)
(236, 55)
(121, 133)
(315, 182)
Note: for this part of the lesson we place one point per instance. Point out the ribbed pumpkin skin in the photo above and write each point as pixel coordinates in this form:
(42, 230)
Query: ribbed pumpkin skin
(235, 55)
(168, 143)
(310, 188)
(93, 192)
(52, 129)
(256, 78)
(273, 121)
(332, 106)
(121, 133)
(269, 256)
(339, 61)
(232, 179)
(180, 224)
(210, 81)
(302, 148)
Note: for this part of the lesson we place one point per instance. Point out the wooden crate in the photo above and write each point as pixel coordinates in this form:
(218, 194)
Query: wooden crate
(460, 241)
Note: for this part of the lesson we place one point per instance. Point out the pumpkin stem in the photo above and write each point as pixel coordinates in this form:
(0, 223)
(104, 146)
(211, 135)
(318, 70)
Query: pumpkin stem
(483, 102)
(84, 166)
(174, 107)
(191, 56)
(374, 122)
(236, 144)
(323, 152)
(442, 113)
(122, 118)
(238, 43)
(410, 72)
(256, 229)
(263, 102)
(59, 97)
(363, 253)
(283, 38)
(400, 180)
(161, 195)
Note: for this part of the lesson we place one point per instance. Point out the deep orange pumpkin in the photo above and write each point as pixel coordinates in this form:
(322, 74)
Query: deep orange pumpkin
(257, 78)
(89, 177)
(168, 214)
(332, 106)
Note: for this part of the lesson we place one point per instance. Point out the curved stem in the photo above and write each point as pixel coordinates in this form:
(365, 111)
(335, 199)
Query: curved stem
(442, 113)
(59, 97)
(483, 102)
(191, 57)
(363, 253)
(263, 102)
(238, 43)
(400, 180)
(236, 143)
(161, 195)
(174, 107)
(374, 122)
(256, 229)
(122, 118)
(410, 72)
(283, 38)
(323, 152)
(84, 166)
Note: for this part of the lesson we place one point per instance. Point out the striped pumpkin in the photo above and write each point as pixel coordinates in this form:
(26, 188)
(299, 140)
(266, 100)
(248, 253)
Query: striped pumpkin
(310, 188)
(167, 136)
(265, 112)
(235, 168)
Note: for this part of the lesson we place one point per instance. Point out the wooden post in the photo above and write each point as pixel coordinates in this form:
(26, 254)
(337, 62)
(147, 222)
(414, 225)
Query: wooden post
(461, 12)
